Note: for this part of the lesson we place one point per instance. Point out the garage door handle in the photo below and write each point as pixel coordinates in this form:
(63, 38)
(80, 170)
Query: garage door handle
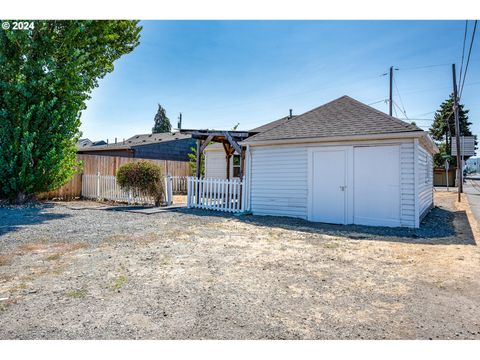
(343, 188)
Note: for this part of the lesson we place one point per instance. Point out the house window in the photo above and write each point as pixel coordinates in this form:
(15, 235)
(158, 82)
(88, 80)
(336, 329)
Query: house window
(236, 166)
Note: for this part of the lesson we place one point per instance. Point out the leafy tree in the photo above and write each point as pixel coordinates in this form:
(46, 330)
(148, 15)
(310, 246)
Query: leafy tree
(162, 122)
(46, 76)
(443, 129)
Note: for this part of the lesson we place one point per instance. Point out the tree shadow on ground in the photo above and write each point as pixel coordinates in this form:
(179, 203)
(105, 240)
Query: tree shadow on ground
(440, 227)
(12, 218)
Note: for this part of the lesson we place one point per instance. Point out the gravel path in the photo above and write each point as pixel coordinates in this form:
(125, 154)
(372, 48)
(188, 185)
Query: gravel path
(80, 271)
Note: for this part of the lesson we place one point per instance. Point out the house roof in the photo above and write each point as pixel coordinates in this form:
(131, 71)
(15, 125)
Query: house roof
(143, 139)
(271, 125)
(81, 143)
(139, 140)
(341, 117)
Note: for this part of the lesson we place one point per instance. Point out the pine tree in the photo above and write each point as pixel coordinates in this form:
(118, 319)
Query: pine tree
(46, 76)
(162, 122)
(442, 129)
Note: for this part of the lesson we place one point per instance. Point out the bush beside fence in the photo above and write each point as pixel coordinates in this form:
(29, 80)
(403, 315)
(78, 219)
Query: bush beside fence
(108, 166)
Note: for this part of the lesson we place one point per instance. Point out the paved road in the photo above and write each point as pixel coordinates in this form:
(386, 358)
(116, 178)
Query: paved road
(472, 190)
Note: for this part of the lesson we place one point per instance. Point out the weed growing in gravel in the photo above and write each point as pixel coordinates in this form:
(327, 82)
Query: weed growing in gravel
(166, 260)
(119, 282)
(76, 294)
(53, 257)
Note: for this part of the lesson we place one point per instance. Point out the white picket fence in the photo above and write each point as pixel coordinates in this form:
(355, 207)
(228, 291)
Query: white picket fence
(102, 187)
(179, 184)
(215, 194)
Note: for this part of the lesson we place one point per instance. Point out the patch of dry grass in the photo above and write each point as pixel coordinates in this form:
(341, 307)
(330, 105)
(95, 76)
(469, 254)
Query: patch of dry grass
(137, 238)
(57, 247)
(6, 260)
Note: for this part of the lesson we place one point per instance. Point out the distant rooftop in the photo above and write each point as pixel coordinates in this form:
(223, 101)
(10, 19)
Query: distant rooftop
(137, 140)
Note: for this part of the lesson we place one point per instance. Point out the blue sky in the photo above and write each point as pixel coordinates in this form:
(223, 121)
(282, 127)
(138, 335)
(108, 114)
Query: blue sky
(220, 73)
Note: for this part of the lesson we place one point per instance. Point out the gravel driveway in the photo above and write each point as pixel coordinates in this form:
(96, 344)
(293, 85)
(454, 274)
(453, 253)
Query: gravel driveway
(82, 271)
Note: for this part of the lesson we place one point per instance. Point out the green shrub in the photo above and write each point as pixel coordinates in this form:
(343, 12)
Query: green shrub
(142, 176)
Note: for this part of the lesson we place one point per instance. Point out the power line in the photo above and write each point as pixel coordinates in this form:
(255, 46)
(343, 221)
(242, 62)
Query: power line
(427, 113)
(395, 109)
(400, 97)
(468, 59)
(379, 101)
(399, 109)
(422, 66)
(463, 50)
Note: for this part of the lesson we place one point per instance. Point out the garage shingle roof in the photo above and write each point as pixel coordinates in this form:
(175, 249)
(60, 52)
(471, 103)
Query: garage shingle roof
(271, 125)
(341, 117)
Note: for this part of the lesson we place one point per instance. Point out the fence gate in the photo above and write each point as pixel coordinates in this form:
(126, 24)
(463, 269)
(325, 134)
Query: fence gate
(215, 194)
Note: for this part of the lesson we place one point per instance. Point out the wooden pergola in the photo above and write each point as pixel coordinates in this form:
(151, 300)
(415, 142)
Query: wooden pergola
(228, 138)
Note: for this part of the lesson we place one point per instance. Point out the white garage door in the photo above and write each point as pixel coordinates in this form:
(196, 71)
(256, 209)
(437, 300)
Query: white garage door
(328, 190)
(377, 185)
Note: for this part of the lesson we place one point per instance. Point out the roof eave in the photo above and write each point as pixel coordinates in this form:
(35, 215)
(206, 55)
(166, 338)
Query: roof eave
(396, 135)
(429, 144)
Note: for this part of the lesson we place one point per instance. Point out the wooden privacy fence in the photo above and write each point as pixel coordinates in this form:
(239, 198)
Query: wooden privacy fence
(100, 187)
(440, 176)
(108, 166)
(69, 191)
(215, 194)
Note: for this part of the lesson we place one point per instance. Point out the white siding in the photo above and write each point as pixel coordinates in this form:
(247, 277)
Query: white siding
(425, 180)
(279, 181)
(215, 164)
(407, 185)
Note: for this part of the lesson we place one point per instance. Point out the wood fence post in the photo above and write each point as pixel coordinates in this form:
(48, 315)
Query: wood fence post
(98, 185)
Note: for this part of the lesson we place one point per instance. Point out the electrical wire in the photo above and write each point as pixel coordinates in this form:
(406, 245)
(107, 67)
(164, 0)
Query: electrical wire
(400, 97)
(463, 50)
(395, 109)
(399, 109)
(423, 66)
(379, 101)
(468, 59)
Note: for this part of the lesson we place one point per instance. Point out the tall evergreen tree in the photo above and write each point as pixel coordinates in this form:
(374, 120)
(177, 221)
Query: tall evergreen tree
(46, 75)
(162, 122)
(442, 129)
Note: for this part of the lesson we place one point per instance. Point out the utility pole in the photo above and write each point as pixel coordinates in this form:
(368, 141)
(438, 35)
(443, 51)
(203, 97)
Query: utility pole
(457, 134)
(179, 125)
(390, 103)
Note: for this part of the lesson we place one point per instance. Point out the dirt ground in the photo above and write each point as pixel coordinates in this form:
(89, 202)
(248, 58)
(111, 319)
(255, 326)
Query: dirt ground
(82, 271)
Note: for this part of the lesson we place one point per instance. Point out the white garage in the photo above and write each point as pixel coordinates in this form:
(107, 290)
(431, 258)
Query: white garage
(343, 163)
